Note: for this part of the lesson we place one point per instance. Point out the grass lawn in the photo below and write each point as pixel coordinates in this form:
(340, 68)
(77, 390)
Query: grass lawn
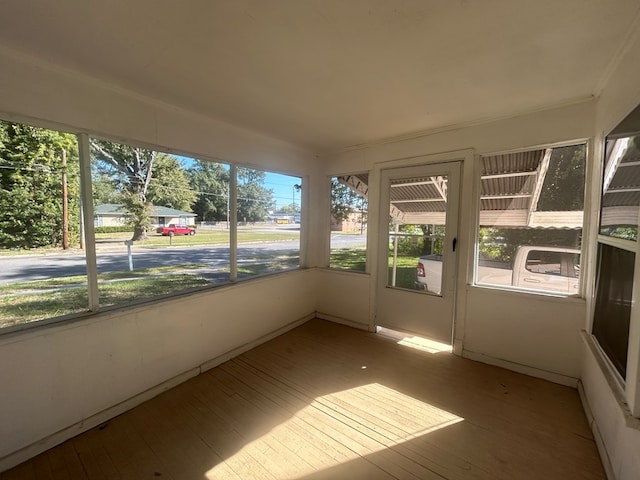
(25, 302)
(273, 265)
(203, 237)
(405, 271)
(354, 259)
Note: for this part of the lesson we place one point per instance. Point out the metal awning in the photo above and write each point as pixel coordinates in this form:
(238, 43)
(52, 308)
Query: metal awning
(510, 190)
(621, 185)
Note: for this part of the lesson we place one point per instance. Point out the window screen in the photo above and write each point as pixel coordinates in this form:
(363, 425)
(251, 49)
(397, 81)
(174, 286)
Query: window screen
(613, 303)
(531, 215)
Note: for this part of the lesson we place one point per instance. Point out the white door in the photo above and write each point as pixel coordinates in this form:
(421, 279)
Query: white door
(418, 240)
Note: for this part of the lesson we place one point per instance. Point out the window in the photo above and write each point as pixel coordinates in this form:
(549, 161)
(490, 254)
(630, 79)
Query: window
(417, 232)
(349, 222)
(153, 239)
(613, 303)
(565, 264)
(539, 261)
(531, 214)
(43, 267)
(269, 219)
(621, 188)
(162, 224)
(617, 247)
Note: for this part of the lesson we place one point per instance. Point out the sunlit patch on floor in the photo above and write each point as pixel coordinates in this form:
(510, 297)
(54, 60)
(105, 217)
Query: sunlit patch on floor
(349, 424)
(413, 341)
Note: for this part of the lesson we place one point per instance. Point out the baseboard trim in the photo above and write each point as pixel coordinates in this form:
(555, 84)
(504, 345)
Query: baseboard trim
(597, 436)
(214, 362)
(343, 321)
(517, 367)
(50, 441)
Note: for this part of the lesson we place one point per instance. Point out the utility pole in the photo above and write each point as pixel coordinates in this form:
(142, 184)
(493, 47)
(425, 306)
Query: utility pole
(65, 203)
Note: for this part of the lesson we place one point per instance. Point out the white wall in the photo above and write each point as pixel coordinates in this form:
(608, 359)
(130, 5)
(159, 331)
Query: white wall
(69, 377)
(344, 297)
(32, 90)
(538, 128)
(531, 333)
(618, 432)
(61, 379)
(56, 378)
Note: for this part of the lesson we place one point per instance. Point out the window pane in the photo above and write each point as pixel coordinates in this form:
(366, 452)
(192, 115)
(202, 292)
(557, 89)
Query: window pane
(42, 264)
(269, 207)
(613, 303)
(540, 261)
(349, 222)
(416, 233)
(160, 222)
(621, 189)
(531, 213)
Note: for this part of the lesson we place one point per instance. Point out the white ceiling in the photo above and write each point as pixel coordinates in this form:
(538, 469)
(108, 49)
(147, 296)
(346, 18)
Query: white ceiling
(328, 74)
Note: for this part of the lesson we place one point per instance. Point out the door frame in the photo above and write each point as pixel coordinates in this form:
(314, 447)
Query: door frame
(404, 308)
(467, 223)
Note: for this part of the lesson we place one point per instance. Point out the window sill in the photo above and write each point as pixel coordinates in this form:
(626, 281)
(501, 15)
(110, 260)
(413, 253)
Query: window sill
(613, 380)
(73, 319)
(528, 294)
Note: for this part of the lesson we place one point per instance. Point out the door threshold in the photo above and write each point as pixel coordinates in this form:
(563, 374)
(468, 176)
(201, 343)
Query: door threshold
(414, 341)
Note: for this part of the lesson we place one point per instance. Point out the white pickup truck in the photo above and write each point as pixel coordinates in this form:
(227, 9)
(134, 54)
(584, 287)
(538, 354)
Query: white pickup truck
(550, 269)
(546, 269)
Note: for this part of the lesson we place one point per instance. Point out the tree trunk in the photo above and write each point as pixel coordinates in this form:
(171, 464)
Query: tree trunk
(139, 233)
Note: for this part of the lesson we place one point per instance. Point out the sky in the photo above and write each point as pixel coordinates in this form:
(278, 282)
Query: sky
(283, 188)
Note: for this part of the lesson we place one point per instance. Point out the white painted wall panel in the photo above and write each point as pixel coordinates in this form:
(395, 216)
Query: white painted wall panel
(618, 432)
(539, 128)
(534, 331)
(57, 98)
(621, 441)
(500, 327)
(58, 376)
(344, 296)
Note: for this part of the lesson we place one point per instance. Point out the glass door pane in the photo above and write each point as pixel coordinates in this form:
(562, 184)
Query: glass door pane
(417, 228)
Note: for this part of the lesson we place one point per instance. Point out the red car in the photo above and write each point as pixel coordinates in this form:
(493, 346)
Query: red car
(173, 229)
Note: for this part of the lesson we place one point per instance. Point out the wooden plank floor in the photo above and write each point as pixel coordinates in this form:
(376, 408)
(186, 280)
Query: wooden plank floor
(329, 402)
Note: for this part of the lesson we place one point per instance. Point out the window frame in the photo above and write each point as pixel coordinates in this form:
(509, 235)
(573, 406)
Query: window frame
(88, 219)
(366, 233)
(628, 387)
(477, 194)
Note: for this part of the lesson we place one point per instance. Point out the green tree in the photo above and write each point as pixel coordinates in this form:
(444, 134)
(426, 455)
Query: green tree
(211, 183)
(563, 187)
(344, 201)
(254, 199)
(31, 167)
(562, 190)
(105, 189)
(170, 186)
(502, 243)
(291, 208)
(132, 168)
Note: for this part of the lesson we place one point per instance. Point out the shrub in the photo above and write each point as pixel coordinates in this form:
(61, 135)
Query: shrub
(114, 229)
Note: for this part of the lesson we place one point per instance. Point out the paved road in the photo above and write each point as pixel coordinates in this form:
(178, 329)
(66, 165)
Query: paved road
(38, 267)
